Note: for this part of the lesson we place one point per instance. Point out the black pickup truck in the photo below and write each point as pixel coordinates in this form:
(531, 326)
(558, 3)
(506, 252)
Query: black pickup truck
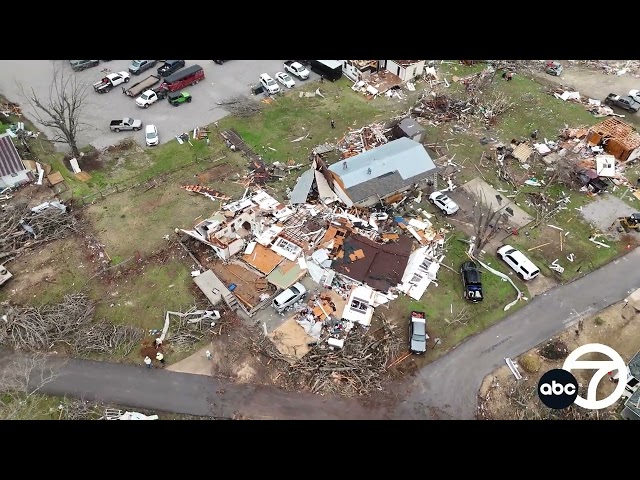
(471, 282)
(626, 103)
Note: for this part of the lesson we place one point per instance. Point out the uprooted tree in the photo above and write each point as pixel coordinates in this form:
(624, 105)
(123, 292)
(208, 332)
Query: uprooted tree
(486, 221)
(61, 109)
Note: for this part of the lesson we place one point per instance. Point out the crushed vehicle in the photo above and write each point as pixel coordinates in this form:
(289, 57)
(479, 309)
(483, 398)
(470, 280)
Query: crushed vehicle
(471, 282)
(554, 68)
(110, 81)
(125, 124)
(178, 98)
(626, 103)
(170, 67)
(418, 333)
(139, 66)
(444, 203)
(296, 69)
(141, 86)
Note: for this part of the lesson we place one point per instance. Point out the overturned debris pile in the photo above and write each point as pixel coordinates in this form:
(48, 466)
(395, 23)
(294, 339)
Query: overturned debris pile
(23, 228)
(441, 108)
(69, 322)
(194, 325)
(354, 370)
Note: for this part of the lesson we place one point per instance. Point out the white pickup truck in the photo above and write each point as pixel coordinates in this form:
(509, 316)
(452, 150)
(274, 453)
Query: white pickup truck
(296, 69)
(150, 97)
(110, 81)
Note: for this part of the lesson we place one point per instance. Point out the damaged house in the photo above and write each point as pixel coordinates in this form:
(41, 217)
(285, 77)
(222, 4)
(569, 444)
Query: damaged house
(617, 138)
(12, 169)
(382, 172)
(407, 70)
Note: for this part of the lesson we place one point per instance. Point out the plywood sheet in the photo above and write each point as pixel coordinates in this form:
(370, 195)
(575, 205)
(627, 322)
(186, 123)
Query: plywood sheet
(263, 259)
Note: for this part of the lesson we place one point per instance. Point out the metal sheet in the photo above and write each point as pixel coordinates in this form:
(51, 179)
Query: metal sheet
(303, 187)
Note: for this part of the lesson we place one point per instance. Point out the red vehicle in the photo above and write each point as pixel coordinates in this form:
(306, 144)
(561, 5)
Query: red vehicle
(183, 78)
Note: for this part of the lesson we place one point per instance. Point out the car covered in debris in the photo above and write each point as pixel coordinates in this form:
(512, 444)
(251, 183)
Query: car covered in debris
(554, 68)
(418, 333)
(444, 203)
(285, 79)
(269, 84)
(151, 136)
(471, 282)
(288, 297)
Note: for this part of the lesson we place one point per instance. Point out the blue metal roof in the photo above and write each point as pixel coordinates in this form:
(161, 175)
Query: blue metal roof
(405, 156)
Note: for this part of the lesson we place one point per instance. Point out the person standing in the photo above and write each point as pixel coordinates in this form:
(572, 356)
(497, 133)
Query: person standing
(208, 354)
(147, 361)
(333, 124)
(160, 358)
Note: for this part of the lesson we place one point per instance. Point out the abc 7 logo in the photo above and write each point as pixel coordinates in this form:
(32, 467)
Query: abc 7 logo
(558, 388)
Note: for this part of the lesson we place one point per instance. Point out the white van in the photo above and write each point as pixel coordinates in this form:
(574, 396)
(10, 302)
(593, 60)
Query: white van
(290, 296)
(518, 262)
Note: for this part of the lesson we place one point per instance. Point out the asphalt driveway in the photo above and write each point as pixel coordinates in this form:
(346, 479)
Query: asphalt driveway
(221, 83)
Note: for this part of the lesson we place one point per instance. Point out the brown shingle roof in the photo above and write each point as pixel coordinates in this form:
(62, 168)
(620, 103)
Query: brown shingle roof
(10, 161)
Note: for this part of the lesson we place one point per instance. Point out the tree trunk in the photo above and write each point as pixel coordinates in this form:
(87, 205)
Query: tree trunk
(74, 148)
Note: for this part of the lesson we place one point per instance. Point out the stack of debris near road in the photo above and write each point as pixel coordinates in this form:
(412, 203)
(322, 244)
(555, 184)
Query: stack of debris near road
(361, 252)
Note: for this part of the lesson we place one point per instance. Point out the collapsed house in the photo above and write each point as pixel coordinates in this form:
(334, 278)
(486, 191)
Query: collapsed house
(617, 138)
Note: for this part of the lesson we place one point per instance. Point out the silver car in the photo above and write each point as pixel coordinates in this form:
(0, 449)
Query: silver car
(418, 333)
(290, 296)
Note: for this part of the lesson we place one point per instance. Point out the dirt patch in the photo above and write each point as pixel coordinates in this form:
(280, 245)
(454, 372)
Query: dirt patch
(502, 397)
(602, 212)
(34, 194)
(89, 162)
(216, 174)
(541, 284)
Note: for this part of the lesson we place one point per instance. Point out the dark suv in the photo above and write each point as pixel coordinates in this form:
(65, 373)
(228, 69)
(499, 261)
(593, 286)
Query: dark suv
(139, 66)
(169, 67)
(471, 282)
(78, 65)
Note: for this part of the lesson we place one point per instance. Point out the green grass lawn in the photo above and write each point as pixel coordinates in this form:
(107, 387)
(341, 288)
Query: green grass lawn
(443, 303)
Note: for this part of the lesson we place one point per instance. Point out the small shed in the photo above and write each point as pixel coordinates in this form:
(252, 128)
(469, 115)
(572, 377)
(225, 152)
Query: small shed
(409, 128)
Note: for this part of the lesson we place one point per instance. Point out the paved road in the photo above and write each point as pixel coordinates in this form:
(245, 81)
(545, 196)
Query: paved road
(448, 387)
(222, 82)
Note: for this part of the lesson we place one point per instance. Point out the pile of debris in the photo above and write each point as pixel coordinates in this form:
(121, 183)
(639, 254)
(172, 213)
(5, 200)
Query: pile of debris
(440, 108)
(68, 323)
(357, 369)
(593, 106)
(362, 139)
(9, 108)
(23, 228)
(259, 173)
(612, 67)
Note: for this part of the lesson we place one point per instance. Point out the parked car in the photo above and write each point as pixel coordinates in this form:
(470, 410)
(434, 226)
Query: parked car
(178, 98)
(626, 103)
(269, 84)
(139, 66)
(471, 282)
(288, 297)
(125, 124)
(150, 97)
(78, 65)
(296, 69)
(518, 262)
(169, 67)
(220, 62)
(444, 203)
(554, 68)
(151, 135)
(635, 95)
(285, 79)
(418, 333)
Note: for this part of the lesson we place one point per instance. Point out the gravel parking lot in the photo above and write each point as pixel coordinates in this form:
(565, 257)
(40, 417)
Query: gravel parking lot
(221, 83)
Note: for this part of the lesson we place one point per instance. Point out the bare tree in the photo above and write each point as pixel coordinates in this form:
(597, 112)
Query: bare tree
(21, 380)
(62, 108)
(486, 222)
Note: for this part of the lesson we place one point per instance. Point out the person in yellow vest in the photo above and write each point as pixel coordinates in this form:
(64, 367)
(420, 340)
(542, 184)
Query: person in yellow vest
(160, 358)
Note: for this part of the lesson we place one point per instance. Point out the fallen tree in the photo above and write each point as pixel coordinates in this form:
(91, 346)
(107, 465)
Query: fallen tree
(22, 229)
(69, 322)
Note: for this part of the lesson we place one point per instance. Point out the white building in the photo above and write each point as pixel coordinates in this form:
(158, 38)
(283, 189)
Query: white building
(12, 169)
(407, 70)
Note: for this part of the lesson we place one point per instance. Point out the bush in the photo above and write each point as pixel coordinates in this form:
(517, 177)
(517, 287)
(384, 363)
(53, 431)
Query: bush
(598, 321)
(531, 363)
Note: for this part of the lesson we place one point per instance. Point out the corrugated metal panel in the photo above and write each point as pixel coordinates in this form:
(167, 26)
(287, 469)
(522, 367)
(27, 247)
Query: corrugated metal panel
(10, 161)
(303, 187)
